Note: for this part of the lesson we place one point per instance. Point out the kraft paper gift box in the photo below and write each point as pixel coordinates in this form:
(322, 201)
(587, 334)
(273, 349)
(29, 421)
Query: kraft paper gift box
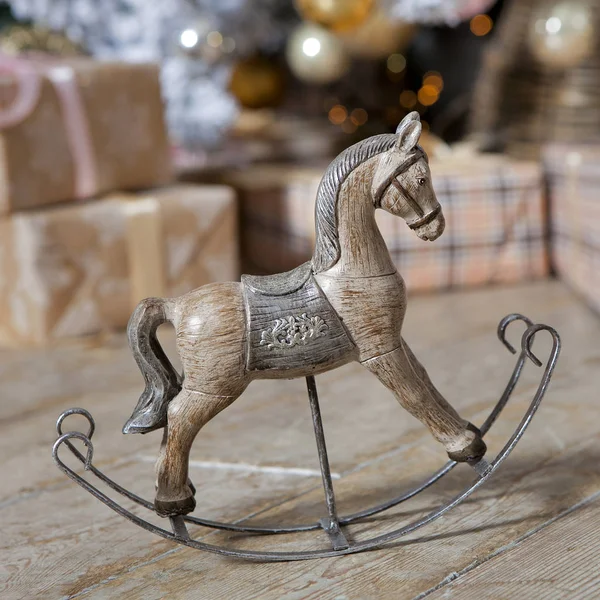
(495, 223)
(76, 128)
(81, 268)
(574, 188)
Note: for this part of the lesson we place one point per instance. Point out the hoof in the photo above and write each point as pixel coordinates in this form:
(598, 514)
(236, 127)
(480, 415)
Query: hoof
(472, 453)
(174, 508)
(145, 421)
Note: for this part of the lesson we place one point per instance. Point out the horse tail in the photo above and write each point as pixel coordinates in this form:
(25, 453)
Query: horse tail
(163, 382)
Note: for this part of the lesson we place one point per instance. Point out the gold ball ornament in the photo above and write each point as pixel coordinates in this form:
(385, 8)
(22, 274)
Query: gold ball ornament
(378, 37)
(336, 15)
(315, 55)
(257, 83)
(562, 34)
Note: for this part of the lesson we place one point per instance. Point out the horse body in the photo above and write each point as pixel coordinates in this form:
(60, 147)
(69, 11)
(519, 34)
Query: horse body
(353, 270)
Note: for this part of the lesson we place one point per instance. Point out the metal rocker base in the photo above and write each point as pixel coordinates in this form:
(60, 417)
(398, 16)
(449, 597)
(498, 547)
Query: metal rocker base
(332, 524)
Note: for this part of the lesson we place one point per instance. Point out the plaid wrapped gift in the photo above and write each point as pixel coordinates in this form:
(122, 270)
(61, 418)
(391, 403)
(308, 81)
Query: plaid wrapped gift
(495, 226)
(574, 183)
(277, 215)
(494, 208)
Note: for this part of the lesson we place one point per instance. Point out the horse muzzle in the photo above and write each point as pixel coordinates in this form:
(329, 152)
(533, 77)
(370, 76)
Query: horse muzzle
(430, 226)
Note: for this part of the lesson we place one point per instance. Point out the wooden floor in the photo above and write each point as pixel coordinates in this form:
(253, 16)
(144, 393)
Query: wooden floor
(532, 532)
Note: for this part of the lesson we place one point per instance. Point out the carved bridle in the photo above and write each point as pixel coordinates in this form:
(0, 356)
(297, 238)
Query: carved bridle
(392, 180)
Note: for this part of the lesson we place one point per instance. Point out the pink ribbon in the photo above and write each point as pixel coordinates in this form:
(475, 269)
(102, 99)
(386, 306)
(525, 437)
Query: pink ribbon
(28, 73)
(470, 8)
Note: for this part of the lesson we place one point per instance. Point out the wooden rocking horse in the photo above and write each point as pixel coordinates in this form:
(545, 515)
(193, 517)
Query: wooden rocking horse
(347, 304)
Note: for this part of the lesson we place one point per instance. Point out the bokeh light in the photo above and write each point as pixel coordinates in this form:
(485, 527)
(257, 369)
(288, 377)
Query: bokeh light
(553, 25)
(408, 99)
(188, 38)
(428, 95)
(435, 79)
(214, 39)
(311, 46)
(396, 63)
(359, 116)
(338, 114)
(481, 25)
(228, 45)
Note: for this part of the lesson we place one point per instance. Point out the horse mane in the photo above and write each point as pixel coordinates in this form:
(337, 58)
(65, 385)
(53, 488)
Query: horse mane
(327, 247)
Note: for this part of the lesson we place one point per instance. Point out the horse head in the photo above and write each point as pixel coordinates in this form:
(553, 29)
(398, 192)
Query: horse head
(402, 182)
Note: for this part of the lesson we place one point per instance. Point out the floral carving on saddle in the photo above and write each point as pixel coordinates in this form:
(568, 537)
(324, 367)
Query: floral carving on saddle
(292, 331)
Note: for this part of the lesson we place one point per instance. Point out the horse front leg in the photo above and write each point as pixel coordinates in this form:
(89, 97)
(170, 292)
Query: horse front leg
(403, 374)
(188, 412)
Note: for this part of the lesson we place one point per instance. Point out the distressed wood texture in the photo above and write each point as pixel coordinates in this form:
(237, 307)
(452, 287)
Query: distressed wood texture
(257, 462)
(347, 304)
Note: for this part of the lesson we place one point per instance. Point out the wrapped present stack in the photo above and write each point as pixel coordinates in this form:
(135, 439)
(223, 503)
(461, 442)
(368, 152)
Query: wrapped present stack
(90, 221)
(494, 208)
(574, 186)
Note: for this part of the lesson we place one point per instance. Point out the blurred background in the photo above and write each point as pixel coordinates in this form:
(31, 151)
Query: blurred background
(148, 148)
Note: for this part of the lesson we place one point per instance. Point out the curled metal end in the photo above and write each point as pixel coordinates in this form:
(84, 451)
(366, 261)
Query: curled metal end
(76, 411)
(73, 435)
(528, 337)
(503, 325)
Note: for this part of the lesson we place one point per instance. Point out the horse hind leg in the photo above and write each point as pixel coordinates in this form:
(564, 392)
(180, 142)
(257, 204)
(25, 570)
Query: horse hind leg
(188, 412)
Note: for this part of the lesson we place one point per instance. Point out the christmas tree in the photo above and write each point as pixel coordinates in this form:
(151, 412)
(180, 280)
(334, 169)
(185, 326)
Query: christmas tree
(200, 42)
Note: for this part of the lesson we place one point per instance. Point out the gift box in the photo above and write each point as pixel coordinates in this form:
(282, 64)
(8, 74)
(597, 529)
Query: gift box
(81, 268)
(495, 212)
(276, 204)
(574, 188)
(76, 128)
(494, 209)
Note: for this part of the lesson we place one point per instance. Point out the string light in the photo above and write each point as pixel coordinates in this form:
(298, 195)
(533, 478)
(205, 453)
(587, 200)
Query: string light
(359, 116)
(435, 79)
(408, 99)
(396, 63)
(338, 114)
(311, 46)
(553, 25)
(228, 45)
(481, 25)
(428, 95)
(214, 39)
(188, 38)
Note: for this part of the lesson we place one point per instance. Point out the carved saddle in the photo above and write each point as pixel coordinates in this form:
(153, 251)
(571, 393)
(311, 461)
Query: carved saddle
(291, 324)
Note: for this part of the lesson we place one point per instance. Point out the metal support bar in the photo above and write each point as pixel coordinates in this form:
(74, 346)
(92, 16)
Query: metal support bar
(330, 524)
(179, 528)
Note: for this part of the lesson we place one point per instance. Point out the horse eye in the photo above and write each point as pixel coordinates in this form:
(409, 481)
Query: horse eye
(421, 181)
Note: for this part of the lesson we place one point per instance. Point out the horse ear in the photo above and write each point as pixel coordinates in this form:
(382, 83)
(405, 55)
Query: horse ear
(409, 118)
(409, 134)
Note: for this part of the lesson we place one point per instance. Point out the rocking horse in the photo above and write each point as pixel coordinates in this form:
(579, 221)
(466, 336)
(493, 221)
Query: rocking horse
(346, 304)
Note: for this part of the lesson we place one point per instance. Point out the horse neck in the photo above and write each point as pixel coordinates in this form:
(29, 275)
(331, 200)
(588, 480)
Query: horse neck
(363, 251)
